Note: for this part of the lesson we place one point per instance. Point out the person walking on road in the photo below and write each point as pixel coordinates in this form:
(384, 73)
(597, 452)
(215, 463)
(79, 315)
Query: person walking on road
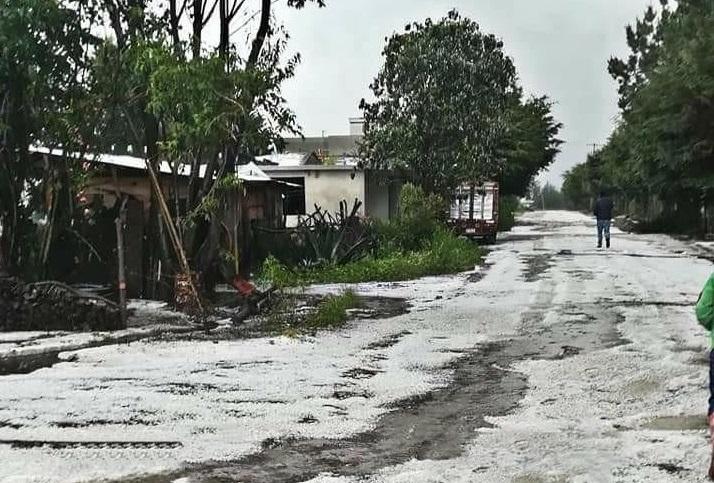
(705, 315)
(603, 213)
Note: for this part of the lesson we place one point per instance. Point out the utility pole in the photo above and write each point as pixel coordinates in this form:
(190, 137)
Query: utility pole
(594, 147)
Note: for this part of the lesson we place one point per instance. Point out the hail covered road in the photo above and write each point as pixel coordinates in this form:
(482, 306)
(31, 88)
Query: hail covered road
(553, 362)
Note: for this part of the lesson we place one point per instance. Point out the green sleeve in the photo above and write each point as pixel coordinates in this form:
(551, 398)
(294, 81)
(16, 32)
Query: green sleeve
(705, 305)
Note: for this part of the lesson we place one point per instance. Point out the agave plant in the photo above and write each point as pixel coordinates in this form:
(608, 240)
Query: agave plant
(338, 238)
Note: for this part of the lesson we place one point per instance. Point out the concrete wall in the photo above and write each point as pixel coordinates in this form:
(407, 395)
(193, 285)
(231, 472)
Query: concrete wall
(378, 197)
(326, 188)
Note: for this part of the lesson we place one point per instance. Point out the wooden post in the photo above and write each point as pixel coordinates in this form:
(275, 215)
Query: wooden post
(119, 223)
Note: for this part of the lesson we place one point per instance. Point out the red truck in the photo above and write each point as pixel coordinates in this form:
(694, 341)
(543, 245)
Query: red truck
(474, 211)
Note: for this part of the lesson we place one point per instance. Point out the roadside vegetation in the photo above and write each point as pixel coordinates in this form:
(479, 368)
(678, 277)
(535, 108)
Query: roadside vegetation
(444, 253)
(415, 244)
(548, 197)
(657, 163)
(292, 318)
(447, 109)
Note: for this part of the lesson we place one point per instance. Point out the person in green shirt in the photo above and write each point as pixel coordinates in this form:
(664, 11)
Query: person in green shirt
(705, 316)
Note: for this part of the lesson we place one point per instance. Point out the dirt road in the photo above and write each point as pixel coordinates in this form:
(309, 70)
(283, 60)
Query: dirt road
(555, 362)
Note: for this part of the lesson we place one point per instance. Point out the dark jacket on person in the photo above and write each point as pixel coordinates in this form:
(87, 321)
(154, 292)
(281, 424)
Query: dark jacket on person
(603, 208)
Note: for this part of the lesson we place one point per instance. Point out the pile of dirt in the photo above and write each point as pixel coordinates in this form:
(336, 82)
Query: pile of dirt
(53, 306)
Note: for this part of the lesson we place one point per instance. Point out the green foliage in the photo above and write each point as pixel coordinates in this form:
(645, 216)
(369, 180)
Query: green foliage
(44, 53)
(441, 99)
(547, 197)
(332, 311)
(274, 273)
(443, 254)
(577, 187)
(531, 144)
(289, 317)
(663, 147)
(420, 215)
(508, 207)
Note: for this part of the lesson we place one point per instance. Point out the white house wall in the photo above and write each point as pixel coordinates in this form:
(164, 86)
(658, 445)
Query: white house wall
(326, 188)
(377, 198)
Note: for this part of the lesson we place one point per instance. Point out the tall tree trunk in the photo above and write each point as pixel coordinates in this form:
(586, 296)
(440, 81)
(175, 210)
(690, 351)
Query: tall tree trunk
(201, 15)
(16, 160)
(224, 35)
(196, 38)
(175, 14)
(262, 35)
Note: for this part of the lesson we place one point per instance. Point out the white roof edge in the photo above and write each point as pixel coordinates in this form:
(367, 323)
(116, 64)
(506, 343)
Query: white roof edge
(312, 167)
(253, 173)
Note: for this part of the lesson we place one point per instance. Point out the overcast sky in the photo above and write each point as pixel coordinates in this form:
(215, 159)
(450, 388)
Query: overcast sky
(560, 48)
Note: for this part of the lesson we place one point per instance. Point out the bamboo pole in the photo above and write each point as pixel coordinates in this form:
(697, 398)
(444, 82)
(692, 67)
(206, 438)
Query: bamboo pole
(173, 233)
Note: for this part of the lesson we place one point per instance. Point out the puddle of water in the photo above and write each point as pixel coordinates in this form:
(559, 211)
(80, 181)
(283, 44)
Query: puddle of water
(676, 423)
(536, 478)
(536, 266)
(28, 364)
(642, 387)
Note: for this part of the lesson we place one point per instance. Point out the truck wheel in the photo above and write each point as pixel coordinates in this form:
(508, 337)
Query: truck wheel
(490, 239)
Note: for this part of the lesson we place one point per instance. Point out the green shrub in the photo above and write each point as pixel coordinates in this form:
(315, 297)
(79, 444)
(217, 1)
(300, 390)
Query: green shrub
(508, 206)
(443, 253)
(420, 215)
(332, 311)
(274, 273)
(288, 317)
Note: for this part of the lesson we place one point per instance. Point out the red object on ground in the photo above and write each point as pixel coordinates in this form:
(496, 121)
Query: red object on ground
(243, 286)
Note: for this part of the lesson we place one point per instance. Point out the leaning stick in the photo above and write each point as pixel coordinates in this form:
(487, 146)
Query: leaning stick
(173, 233)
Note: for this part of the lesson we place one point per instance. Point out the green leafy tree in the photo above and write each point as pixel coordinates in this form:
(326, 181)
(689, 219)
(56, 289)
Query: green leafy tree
(531, 144)
(44, 58)
(441, 102)
(663, 146)
(231, 106)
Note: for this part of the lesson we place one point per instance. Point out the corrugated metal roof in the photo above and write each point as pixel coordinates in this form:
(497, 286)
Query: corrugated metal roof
(248, 172)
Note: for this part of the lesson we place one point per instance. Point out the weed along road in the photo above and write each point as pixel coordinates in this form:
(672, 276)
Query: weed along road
(555, 361)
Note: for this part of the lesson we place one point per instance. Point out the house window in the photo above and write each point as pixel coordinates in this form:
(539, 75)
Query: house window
(294, 196)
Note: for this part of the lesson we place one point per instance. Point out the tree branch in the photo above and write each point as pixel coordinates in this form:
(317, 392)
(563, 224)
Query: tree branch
(206, 18)
(236, 8)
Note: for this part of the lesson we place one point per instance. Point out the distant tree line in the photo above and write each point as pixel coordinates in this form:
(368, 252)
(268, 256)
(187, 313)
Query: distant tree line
(547, 197)
(659, 161)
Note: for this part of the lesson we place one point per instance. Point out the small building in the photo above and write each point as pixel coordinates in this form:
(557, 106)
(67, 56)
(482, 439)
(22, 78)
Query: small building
(314, 185)
(324, 171)
(258, 199)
